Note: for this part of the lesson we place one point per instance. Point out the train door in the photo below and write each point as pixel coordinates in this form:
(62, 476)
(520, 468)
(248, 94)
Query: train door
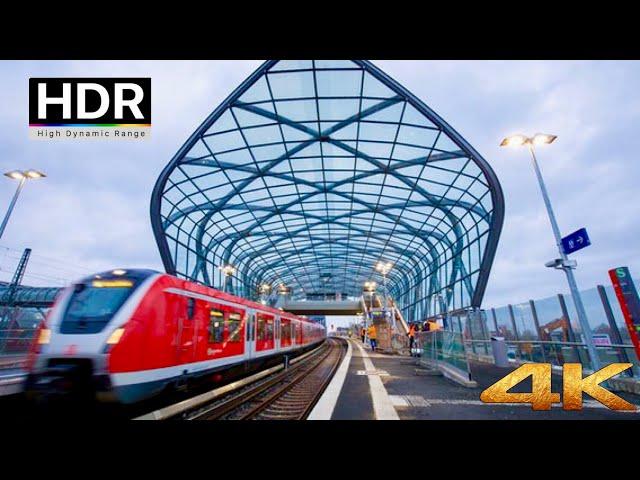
(294, 340)
(277, 333)
(250, 334)
(285, 335)
(265, 332)
(186, 340)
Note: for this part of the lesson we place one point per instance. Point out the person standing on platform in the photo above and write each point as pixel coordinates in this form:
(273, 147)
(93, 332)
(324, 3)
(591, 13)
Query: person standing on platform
(411, 334)
(372, 337)
(363, 333)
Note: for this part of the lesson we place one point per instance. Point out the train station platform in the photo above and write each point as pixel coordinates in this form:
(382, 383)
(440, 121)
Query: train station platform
(375, 386)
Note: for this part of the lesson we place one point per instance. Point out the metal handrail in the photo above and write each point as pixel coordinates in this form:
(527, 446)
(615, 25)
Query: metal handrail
(547, 342)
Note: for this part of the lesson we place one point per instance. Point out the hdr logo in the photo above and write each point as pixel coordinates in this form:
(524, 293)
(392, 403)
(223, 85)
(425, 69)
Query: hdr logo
(89, 108)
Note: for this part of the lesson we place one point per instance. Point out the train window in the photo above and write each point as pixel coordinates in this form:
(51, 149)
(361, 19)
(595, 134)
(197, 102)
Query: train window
(262, 327)
(191, 307)
(265, 327)
(91, 307)
(234, 322)
(270, 329)
(285, 331)
(216, 326)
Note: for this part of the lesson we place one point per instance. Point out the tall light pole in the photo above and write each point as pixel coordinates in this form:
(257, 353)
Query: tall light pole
(265, 289)
(370, 287)
(563, 263)
(22, 177)
(228, 271)
(384, 269)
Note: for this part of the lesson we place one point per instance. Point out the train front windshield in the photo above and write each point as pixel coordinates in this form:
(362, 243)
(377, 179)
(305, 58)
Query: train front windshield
(93, 304)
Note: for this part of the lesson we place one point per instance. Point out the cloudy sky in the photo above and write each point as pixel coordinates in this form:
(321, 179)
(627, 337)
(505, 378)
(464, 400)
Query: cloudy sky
(92, 211)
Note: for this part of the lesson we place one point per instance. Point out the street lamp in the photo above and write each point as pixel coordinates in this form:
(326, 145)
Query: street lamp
(370, 287)
(564, 263)
(22, 176)
(385, 268)
(228, 271)
(265, 289)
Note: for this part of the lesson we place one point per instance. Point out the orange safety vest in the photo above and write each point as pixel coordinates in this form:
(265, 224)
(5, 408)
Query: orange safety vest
(412, 331)
(372, 332)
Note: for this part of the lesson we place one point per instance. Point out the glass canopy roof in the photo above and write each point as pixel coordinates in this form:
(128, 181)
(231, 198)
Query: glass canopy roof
(311, 172)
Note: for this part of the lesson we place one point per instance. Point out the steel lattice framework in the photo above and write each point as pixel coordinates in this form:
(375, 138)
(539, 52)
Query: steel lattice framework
(312, 171)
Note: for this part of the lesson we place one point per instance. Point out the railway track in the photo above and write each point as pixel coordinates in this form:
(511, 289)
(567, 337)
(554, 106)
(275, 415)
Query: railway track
(288, 394)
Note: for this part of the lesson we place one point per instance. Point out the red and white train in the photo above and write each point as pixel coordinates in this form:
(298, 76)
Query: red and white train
(127, 335)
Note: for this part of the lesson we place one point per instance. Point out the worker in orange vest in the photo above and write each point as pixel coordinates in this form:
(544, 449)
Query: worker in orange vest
(372, 337)
(411, 334)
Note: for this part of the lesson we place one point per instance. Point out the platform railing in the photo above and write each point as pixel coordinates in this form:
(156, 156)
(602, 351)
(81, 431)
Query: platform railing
(15, 342)
(444, 347)
(557, 353)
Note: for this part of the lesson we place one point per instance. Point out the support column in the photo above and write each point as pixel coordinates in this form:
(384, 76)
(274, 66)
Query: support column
(534, 313)
(572, 335)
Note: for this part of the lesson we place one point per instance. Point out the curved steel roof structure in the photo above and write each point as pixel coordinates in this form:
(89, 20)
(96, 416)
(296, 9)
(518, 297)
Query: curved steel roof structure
(310, 172)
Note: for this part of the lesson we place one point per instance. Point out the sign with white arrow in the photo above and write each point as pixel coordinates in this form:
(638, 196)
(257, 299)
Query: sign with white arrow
(575, 241)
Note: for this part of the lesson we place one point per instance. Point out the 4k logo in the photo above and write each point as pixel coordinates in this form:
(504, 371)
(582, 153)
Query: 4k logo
(77, 108)
(573, 385)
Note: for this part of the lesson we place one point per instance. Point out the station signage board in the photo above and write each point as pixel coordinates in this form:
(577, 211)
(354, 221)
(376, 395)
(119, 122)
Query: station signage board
(575, 241)
(629, 302)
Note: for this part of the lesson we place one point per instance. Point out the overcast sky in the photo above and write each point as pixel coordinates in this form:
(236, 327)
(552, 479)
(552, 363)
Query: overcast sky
(92, 211)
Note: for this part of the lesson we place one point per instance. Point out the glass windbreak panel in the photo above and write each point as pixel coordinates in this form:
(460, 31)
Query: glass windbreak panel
(596, 315)
(550, 319)
(524, 321)
(92, 305)
(216, 326)
(505, 327)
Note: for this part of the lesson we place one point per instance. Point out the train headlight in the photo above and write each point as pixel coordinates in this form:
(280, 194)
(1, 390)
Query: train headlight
(44, 337)
(115, 336)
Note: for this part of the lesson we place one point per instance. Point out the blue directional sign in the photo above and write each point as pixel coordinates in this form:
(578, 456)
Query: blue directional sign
(575, 241)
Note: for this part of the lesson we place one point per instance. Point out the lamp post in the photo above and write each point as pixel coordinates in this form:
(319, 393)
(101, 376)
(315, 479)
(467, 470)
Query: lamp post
(385, 268)
(22, 177)
(265, 289)
(563, 263)
(370, 287)
(228, 271)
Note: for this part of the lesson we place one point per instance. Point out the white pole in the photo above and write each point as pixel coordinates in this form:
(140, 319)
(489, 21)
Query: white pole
(575, 293)
(12, 204)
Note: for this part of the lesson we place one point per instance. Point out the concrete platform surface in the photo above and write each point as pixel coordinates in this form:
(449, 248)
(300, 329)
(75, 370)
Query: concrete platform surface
(377, 383)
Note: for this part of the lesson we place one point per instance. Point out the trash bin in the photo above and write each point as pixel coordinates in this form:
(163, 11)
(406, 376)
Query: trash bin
(500, 352)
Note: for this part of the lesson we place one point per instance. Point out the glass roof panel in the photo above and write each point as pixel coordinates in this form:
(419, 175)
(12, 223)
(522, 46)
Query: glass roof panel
(330, 166)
